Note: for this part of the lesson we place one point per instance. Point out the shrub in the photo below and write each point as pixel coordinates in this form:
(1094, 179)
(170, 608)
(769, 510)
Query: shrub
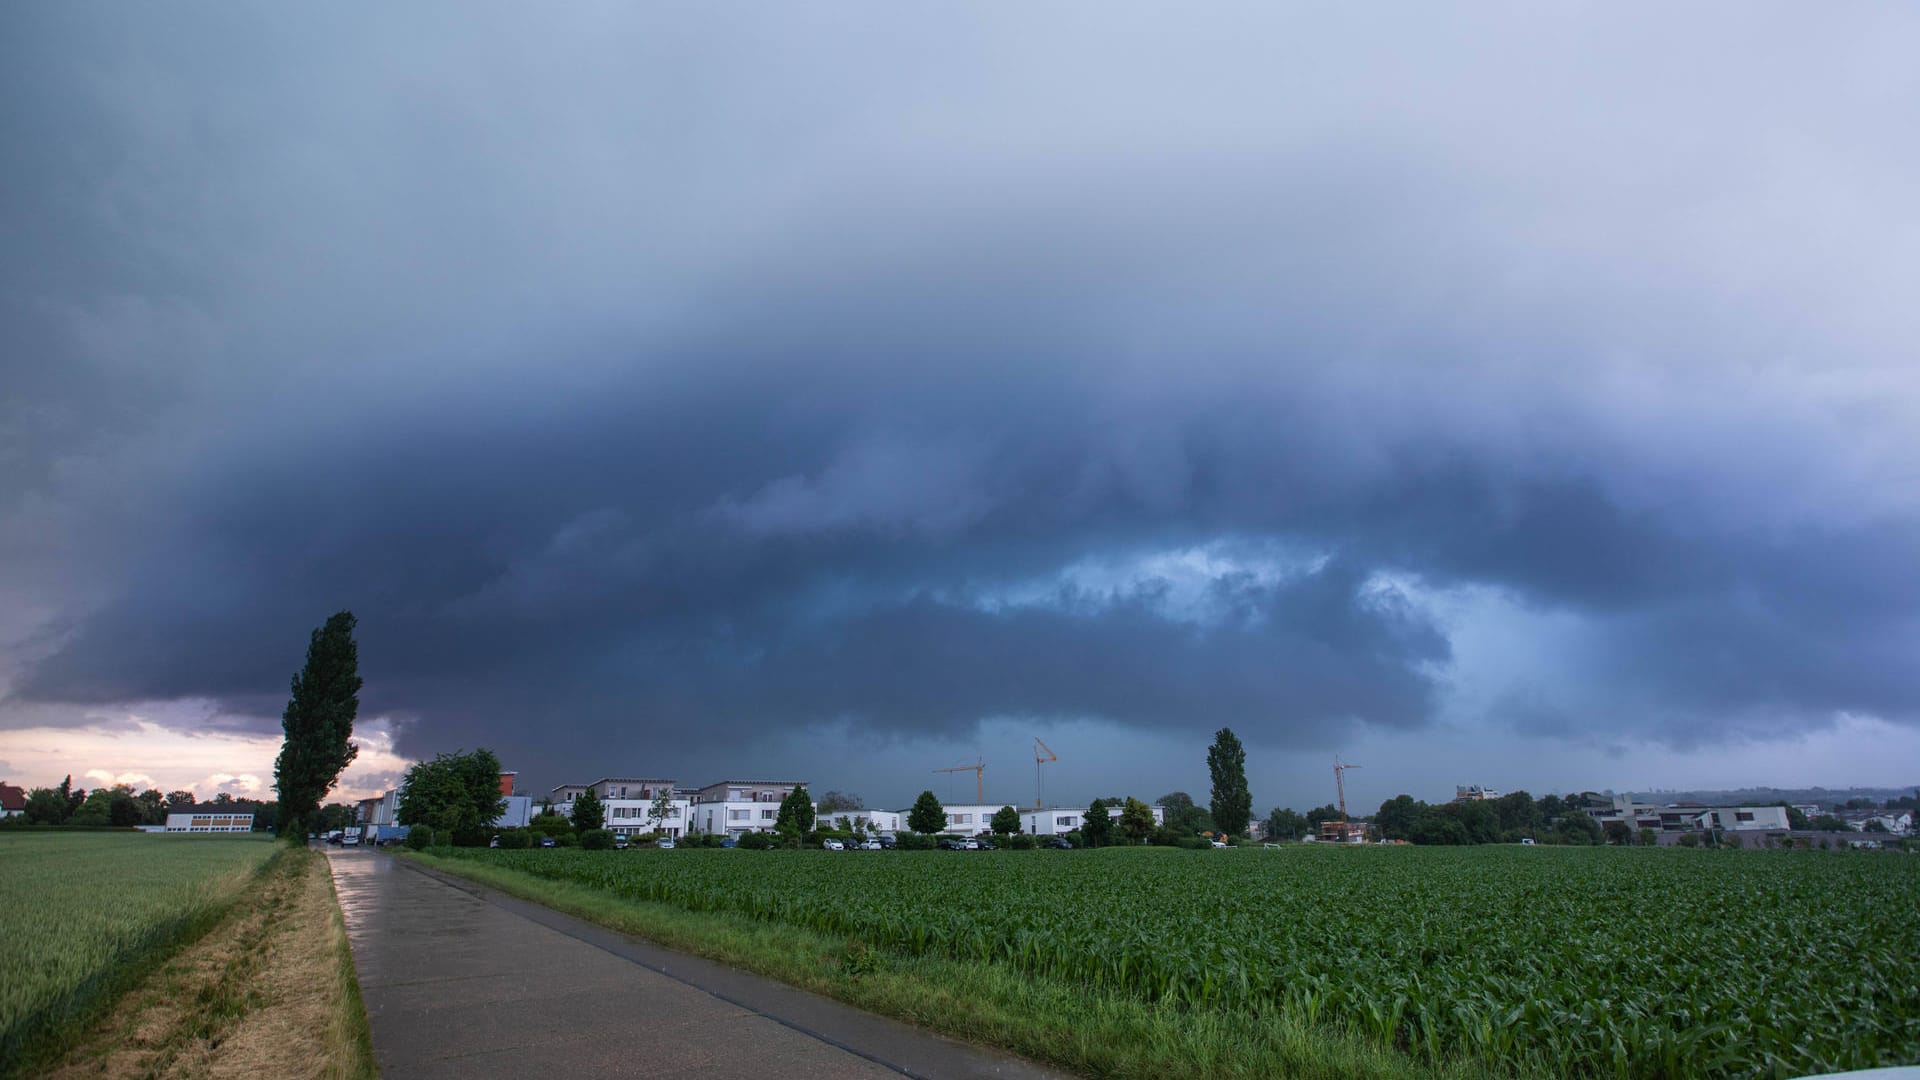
(419, 838)
(1688, 840)
(1194, 843)
(757, 841)
(471, 837)
(1017, 842)
(516, 838)
(914, 841)
(597, 840)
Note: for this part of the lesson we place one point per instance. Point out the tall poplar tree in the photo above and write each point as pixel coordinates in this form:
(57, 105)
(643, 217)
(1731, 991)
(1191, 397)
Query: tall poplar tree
(1232, 803)
(318, 723)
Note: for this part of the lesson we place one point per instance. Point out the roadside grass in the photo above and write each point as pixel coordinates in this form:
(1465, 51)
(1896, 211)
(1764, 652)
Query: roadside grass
(1073, 1027)
(84, 916)
(270, 991)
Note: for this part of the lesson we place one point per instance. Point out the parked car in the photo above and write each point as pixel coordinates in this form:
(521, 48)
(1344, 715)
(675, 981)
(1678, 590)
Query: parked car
(620, 842)
(1220, 843)
(352, 839)
(731, 841)
(548, 841)
(833, 845)
(886, 843)
(982, 844)
(870, 845)
(665, 843)
(948, 843)
(1528, 840)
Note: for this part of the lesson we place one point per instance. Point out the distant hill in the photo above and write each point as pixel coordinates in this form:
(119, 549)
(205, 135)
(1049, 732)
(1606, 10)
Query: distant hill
(1762, 796)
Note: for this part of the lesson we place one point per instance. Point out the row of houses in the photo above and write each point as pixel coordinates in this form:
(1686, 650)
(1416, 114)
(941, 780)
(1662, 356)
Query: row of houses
(636, 805)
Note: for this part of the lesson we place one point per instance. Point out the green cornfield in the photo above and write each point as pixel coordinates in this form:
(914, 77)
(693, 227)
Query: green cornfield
(81, 911)
(1530, 961)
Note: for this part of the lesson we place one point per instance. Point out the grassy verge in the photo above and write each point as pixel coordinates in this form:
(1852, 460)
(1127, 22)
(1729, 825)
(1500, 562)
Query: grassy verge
(1094, 1033)
(85, 916)
(269, 991)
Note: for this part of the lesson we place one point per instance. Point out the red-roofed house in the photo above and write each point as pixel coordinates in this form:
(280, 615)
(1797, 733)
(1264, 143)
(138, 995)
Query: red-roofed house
(13, 801)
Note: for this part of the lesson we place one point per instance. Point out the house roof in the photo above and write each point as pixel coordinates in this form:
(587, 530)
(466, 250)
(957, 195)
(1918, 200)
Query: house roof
(756, 783)
(12, 798)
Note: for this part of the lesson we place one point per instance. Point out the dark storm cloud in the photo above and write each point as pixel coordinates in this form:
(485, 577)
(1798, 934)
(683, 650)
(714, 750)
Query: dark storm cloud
(648, 373)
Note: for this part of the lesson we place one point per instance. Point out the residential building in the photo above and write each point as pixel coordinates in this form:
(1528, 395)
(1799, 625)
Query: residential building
(1688, 817)
(13, 801)
(1473, 793)
(1897, 822)
(210, 818)
(737, 806)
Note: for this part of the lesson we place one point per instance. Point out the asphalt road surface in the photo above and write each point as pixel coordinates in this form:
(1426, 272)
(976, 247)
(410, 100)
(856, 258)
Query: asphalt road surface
(461, 981)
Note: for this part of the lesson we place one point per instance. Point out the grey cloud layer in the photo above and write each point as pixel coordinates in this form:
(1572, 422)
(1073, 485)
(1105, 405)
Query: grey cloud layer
(661, 369)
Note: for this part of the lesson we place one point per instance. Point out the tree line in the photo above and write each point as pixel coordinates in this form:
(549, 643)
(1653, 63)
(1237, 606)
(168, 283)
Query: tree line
(120, 806)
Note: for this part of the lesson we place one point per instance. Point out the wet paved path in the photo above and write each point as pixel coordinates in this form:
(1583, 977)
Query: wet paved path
(462, 981)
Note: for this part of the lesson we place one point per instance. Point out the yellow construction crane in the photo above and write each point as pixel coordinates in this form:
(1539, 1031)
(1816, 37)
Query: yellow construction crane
(978, 769)
(1339, 784)
(1039, 782)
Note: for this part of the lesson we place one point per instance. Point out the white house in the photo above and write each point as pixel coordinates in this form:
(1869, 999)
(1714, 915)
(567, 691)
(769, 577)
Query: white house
(209, 818)
(1897, 822)
(737, 806)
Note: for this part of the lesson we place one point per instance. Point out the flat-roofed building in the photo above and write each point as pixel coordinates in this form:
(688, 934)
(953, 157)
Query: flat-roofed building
(210, 818)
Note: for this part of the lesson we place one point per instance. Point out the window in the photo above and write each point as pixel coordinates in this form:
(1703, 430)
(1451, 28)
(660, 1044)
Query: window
(959, 819)
(739, 815)
(768, 815)
(1742, 815)
(1064, 822)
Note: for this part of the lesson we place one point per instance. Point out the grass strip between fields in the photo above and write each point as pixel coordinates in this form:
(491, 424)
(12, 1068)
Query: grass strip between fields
(1089, 1032)
(56, 1028)
(269, 990)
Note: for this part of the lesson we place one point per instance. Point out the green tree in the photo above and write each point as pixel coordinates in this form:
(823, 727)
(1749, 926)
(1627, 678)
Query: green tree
(662, 806)
(548, 823)
(1648, 838)
(1006, 821)
(1618, 833)
(1097, 827)
(455, 794)
(927, 815)
(841, 800)
(1232, 803)
(1828, 823)
(1399, 816)
(796, 815)
(1517, 812)
(46, 806)
(319, 723)
(587, 812)
(1796, 818)
(153, 807)
(1284, 824)
(1577, 828)
(1136, 819)
(1319, 814)
(1183, 816)
(179, 800)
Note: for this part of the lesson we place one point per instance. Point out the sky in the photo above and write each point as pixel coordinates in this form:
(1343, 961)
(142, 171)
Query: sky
(1524, 395)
